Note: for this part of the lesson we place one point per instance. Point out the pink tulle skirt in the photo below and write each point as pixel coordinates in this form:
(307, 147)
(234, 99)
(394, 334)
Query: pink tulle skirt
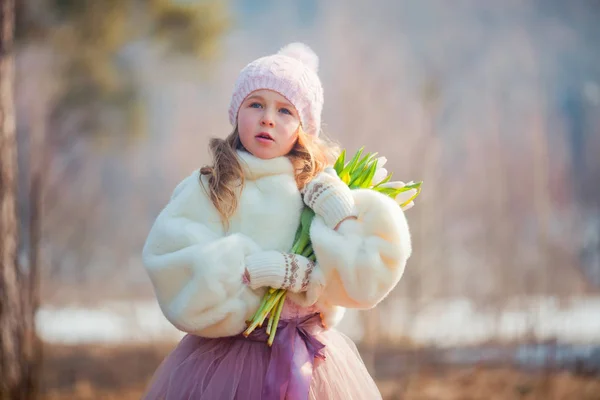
(236, 368)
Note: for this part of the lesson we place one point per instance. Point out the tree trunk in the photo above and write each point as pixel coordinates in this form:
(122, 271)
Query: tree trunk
(17, 333)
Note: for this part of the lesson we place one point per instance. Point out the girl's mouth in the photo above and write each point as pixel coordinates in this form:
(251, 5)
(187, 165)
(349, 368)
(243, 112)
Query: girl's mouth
(264, 137)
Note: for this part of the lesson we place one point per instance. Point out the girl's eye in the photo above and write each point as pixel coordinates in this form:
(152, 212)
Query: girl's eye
(285, 111)
(255, 105)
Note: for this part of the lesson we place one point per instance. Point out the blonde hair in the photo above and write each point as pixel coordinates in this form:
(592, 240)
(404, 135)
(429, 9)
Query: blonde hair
(309, 156)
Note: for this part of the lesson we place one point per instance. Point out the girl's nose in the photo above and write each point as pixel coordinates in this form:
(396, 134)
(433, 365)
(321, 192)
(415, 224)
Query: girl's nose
(267, 121)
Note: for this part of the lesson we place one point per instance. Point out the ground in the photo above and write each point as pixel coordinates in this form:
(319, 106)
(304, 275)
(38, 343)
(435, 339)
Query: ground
(85, 372)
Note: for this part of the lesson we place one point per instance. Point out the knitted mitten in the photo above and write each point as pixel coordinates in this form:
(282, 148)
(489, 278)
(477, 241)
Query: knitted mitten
(329, 197)
(278, 270)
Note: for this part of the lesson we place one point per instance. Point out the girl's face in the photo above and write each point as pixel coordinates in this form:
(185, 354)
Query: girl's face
(268, 124)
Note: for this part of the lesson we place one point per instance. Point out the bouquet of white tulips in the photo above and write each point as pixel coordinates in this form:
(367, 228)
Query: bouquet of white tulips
(365, 171)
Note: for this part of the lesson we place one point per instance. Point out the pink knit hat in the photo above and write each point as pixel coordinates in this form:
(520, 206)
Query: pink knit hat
(292, 72)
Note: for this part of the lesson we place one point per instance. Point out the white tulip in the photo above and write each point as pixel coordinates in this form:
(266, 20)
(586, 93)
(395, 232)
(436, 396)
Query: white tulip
(408, 206)
(393, 185)
(405, 196)
(380, 174)
(381, 162)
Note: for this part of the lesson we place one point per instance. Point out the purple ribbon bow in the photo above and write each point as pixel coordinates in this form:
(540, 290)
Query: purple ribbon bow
(292, 358)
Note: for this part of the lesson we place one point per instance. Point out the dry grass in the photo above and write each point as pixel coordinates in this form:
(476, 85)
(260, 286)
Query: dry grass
(99, 372)
(122, 372)
(489, 383)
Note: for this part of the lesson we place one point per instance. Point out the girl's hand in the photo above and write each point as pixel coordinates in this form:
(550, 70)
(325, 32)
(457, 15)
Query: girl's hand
(329, 197)
(278, 270)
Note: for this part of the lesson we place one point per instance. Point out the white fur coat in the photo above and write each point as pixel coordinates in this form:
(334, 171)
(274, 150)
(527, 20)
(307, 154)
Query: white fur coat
(196, 267)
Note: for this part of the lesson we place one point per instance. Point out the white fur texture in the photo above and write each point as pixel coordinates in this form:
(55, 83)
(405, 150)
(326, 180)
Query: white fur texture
(364, 260)
(303, 53)
(197, 269)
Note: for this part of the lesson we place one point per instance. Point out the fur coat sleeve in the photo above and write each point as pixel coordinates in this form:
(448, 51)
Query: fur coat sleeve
(195, 269)
(365, 258)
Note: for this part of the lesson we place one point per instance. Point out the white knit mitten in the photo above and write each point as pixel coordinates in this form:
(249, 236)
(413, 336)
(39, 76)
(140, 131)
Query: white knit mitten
(279, 270)
(329, 197)
(314, 289)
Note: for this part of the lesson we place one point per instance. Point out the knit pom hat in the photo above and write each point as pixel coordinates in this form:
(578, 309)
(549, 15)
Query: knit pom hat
(292, 72)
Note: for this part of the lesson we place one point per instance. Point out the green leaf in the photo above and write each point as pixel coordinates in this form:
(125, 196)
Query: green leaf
(355, 177)
(361, 168)
(391, 192)
(416, 185)
(366, 176)
(339, 163)
(367, 181)
(363, 163)
(346, 172)
(345, 176)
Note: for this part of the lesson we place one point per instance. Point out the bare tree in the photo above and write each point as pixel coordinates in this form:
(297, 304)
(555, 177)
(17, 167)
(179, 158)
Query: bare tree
(94, 97)
(18, 342)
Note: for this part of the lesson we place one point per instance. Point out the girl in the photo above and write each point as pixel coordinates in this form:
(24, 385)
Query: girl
(224, 239)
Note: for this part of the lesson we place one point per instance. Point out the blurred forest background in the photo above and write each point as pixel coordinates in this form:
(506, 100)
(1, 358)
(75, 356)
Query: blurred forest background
(495, 106)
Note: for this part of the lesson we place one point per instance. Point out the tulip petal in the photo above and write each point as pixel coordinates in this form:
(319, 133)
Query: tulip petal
(380, 175)
(406, 196)
(393, 185)
(408, 206)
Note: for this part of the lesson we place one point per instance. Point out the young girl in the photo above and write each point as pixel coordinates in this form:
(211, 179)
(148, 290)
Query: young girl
(224, 239)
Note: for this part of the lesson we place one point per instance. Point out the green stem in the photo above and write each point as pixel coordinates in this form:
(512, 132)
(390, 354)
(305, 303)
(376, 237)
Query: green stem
(301, 244)
(308, 251)
(270, 324)
(270, 306)
(263, 302)
(273, 305)
(276, 320)
(260, 318)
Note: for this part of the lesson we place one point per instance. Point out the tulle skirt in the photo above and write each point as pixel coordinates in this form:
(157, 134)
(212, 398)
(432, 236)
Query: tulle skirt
(236, 368)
